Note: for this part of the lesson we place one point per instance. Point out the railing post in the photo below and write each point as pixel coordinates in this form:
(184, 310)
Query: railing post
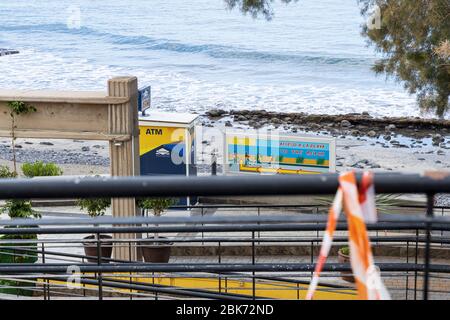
(219, 249)
(415, 262)
(430, 207)
(253, 263)
(99, 263)
(259, 232)
(123, 119)
(407, 273)
(46, 297)
(202, 225)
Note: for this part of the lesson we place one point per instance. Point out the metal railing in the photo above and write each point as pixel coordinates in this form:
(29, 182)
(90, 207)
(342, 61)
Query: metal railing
(250, 233)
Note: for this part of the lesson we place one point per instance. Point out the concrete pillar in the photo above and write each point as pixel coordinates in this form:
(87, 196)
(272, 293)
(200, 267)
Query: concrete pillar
(124, 155)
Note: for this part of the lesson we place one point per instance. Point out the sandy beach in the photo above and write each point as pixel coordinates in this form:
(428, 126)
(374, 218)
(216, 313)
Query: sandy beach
(358, 147)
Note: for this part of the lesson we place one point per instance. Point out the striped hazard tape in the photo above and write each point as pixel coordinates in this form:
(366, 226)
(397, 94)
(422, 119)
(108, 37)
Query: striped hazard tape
(359, 208)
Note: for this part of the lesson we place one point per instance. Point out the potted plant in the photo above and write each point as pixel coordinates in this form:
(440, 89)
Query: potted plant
(96, 208)
(155, 249)
(17, 252)
(344, 257)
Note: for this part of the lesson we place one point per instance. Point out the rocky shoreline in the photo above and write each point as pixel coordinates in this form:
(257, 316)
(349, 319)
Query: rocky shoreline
(354, 124)
(363, 142)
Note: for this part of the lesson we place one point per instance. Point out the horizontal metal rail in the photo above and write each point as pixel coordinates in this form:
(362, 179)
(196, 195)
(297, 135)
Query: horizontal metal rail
(37, 268)
(194, 220)
(135, 187)
(286, 206)
(175, 186)
(154, 288)
(181, 239)
(219, 228)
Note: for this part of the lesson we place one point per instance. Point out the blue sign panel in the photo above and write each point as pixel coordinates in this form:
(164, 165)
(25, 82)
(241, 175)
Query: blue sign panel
(145, 98)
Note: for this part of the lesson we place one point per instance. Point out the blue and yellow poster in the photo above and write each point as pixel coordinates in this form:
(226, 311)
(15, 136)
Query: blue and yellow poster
(278, 154)
(162, 150)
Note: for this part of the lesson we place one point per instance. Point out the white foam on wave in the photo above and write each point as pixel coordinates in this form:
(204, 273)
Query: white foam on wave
(179, 92)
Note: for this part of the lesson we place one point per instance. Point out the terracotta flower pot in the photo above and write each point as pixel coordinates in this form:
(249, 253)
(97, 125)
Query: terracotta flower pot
(91, 250)
(156, 252)
(346, 275)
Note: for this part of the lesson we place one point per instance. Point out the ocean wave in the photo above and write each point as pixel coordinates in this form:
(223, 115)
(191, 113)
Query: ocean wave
(173, 91)
(211, 50)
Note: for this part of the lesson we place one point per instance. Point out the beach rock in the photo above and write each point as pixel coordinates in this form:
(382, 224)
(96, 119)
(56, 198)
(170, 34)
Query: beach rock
(437, 139)
(275, 120)
(228, 124)
(372, 134)
(215, 113)
(345, 124)
(387, 138)
(361, 164)
(46, 143)
(390, 127)
(85, 149)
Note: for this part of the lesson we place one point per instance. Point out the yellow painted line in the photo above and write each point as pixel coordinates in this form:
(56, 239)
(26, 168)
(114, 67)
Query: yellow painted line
(275, 170)
(263, 288)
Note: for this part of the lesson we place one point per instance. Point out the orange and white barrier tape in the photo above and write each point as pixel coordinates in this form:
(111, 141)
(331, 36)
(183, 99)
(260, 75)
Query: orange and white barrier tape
(359, 208)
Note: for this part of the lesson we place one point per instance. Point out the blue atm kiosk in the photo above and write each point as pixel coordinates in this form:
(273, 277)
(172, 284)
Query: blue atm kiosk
(167, 145)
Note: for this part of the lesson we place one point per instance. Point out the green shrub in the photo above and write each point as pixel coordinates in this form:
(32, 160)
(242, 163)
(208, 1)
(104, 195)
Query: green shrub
(157, 205)
(6, 173)
(95, 207)
(41, 169)
(19, 107)
(18, 208)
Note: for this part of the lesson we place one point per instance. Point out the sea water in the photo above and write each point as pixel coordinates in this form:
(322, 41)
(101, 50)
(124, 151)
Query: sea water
(198, 55)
